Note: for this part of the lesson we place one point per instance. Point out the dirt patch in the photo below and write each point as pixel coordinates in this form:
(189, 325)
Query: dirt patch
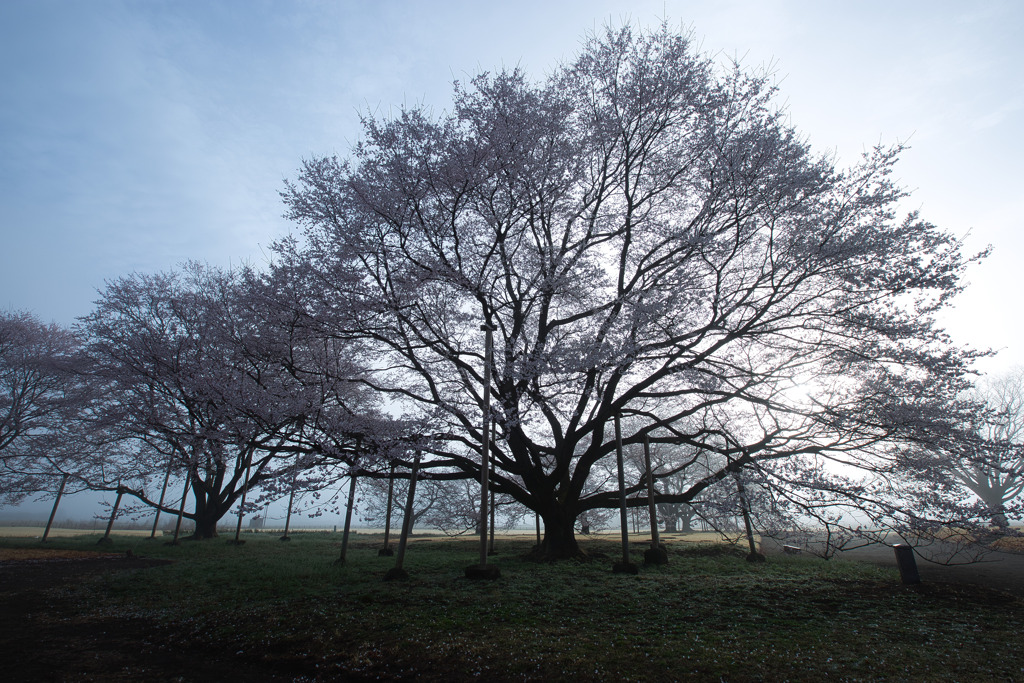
(48, 636)
(8, 555)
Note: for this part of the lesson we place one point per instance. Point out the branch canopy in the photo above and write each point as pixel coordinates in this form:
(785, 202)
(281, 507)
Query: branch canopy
(651, 238)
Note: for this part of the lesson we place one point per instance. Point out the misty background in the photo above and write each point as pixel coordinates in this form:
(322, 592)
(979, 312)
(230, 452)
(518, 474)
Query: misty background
(134, 136)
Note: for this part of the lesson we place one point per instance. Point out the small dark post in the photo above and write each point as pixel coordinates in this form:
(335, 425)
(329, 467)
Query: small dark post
(53, 512)
(386, 551)
(656, 554)
(397, 573)
(163, 492)
(106, 540)
(241, 511)
(348, 516)
(624, 567)
(536, 518)
(181, 510)
(906, 563)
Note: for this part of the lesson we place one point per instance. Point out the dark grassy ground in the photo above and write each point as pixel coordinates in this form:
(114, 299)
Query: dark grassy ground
(270, 610)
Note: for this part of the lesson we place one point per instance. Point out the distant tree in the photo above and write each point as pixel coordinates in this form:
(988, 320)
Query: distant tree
(197, 367)
(40, 385)
(674, 479)
(994, 466)
(448, 506)
(651, 238)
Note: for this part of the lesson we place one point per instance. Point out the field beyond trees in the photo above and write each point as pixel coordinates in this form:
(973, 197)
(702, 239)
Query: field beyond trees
(268, 610)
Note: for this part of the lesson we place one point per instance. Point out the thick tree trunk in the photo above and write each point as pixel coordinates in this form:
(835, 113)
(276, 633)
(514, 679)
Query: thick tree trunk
(670, 524)
(206, 517)
(559, 541)
(995, 506)
(206, 527)
(210, 508)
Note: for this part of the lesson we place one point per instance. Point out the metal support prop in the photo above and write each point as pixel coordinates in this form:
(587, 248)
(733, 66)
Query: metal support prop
(485, 464)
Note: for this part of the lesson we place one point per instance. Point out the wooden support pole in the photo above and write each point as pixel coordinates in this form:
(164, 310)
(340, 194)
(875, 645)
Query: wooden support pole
(348, 516)
(163, 492)
(53, 512)
(386, 551)
(397, 573)
(291, 499)
(485, 464)
(241, 509)
(113, 515)
(651, 507)
(181, 509)
(624, 567)
(491, 550)
(754, 556)
(656, 554)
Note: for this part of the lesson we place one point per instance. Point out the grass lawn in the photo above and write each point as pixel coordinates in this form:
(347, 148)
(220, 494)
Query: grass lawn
(708, 615)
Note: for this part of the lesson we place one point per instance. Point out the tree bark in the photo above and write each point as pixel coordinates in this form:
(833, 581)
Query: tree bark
(559, 541)
(206, 526)
(209, 510)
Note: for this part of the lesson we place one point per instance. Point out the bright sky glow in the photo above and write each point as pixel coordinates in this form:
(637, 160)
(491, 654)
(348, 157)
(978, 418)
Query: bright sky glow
(136, 135)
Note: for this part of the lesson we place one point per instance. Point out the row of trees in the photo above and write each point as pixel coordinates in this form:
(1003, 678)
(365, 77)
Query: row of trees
(650, 241)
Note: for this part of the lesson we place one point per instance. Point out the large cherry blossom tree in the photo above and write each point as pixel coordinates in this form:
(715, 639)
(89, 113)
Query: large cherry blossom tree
(652, 239)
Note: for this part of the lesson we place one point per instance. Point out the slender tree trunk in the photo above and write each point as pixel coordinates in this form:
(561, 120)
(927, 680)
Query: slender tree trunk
(53, 512)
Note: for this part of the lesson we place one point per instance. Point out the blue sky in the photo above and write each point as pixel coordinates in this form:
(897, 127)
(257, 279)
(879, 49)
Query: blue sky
(136, 135)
